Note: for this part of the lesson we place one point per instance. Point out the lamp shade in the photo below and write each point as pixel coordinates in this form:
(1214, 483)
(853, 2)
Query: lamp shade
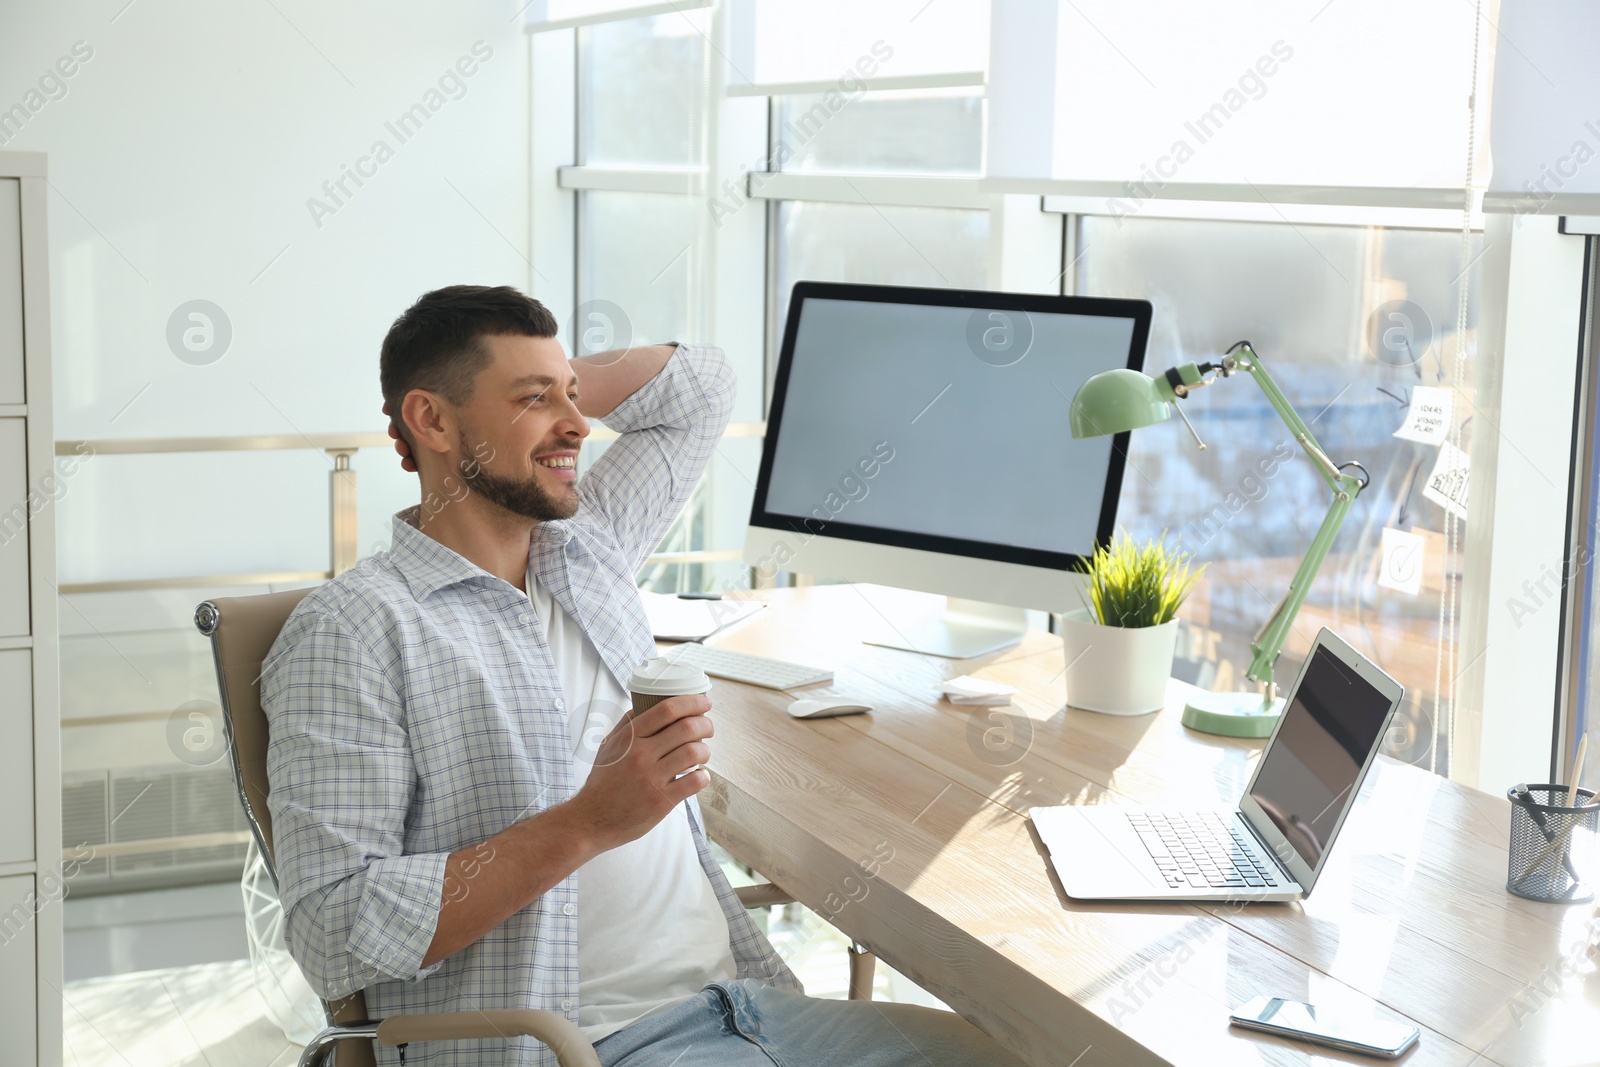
(1115, 401)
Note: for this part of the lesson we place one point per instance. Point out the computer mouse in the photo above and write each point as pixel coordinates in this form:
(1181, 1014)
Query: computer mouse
(827, 708)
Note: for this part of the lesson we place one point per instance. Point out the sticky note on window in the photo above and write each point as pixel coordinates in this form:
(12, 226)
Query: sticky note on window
(1428, 419)
(1447, 485)
(1401, 566)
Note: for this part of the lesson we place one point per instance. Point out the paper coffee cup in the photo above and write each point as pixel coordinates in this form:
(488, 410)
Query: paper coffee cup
(655, 680)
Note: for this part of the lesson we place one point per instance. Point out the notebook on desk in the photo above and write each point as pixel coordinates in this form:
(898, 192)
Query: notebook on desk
(673, 618)
(1274, 845)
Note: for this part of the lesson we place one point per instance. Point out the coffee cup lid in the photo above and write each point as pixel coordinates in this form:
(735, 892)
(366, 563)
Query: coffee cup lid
(662, 677)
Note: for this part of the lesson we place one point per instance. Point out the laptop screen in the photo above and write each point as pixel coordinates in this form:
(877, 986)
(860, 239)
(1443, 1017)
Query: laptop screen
(1310, 770)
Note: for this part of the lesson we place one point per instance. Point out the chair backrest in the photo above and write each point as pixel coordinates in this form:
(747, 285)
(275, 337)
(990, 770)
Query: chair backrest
(242, 630)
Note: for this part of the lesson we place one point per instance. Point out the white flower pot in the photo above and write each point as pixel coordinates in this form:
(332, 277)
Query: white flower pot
(1117, 670)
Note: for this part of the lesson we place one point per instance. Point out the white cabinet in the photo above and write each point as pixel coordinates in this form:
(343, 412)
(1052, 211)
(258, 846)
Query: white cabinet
(19, 996)
(30, 684)
(15, 594)
(16, 757)
(11, 291)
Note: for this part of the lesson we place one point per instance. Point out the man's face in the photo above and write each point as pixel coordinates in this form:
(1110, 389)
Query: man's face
(521, 431)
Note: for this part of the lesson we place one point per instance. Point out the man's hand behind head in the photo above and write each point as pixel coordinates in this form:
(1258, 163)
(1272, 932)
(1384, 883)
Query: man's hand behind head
(400, 446)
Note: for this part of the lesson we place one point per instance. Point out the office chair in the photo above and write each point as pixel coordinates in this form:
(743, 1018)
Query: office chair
(242, 630)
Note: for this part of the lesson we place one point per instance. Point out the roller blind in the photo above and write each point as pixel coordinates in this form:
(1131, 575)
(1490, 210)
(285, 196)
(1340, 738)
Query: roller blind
(1368, 93)
(1545, 119)
(791, 46)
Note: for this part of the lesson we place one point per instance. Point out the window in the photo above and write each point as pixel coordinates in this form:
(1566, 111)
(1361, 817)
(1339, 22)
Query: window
(1319, 304)
(856, 237)
(641, 255)
(641, 92)
(895, 132)
(636, 253)
(946, 247)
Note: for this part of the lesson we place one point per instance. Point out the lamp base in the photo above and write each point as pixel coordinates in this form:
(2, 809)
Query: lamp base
(1232, 714)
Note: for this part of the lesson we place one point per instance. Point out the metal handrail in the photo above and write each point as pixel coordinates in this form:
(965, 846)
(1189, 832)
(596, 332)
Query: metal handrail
(113, 850)
(342, 537)
(195, 581)
(289, 578)
(288, 442)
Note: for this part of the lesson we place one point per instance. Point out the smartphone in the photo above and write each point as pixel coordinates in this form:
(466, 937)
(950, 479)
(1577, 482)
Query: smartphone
(1290, 1018)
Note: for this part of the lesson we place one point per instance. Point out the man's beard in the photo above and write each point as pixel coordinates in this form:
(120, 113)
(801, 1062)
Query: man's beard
(526, 498)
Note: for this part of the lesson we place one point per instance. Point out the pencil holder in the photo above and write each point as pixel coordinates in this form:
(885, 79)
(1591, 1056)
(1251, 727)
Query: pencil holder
(1552, 845)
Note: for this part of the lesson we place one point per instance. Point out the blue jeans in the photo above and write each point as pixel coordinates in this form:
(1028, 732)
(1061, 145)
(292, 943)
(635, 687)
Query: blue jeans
(747, 1024)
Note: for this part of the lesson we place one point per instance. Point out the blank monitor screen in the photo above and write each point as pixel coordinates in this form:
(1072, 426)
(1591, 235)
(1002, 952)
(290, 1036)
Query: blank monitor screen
(967, 394)
(1311, 768)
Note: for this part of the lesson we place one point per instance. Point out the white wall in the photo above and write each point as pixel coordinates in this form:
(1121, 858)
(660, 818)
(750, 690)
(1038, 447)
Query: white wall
(183, 153)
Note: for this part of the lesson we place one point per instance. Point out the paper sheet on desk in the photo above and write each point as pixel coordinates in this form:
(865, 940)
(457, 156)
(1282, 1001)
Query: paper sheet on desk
(976, 692)
(675, 619)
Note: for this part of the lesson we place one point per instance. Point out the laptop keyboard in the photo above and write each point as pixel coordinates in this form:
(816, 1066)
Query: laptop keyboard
(1203, 850)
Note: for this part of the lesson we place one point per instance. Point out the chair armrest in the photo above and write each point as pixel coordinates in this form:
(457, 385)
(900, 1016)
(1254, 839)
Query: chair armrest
(762, 896)
(563, 1037)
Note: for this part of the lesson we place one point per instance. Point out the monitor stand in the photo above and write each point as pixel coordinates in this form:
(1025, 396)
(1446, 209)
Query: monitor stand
(967, 629)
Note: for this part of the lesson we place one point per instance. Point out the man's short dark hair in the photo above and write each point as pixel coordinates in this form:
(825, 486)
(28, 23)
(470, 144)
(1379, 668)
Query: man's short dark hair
(437, 344)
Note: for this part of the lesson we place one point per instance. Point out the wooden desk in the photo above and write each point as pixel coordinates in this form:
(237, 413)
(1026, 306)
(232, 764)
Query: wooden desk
(907, 829)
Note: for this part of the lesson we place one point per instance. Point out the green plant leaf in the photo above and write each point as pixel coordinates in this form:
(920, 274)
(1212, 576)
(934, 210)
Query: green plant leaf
(1135, 585)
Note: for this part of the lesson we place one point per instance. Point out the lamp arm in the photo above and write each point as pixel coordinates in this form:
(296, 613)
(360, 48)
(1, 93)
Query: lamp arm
(1291, 418)
(1268, 642)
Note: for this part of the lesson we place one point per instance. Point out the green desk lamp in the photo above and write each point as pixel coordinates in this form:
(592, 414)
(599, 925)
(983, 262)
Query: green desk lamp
(1119, 400)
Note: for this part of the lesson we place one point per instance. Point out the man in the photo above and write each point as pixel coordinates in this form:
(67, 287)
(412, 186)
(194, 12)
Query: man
(465, 817)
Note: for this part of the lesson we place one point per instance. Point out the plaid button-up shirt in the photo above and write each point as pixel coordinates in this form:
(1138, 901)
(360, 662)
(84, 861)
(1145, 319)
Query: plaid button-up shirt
(415, 710)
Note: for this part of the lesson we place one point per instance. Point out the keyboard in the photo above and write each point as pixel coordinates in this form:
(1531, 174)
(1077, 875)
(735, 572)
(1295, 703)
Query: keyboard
(744, 667)
(1203, 850)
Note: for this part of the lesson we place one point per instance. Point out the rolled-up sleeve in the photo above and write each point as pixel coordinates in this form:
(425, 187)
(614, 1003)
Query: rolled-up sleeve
(669, 431)
(358, 909)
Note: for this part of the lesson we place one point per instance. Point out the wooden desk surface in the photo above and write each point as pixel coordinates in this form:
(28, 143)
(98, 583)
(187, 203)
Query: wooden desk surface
(907, 829)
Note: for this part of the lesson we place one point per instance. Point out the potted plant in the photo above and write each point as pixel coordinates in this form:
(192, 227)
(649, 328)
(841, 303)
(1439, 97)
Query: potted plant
(1119, 647)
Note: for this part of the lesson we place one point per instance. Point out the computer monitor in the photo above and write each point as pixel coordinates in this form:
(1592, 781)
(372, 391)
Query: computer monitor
(919, 438)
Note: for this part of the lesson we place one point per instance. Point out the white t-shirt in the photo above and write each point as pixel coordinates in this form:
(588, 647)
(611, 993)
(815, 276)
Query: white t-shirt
(651, 932)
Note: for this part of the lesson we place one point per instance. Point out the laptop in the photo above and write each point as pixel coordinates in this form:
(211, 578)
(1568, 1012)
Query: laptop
(1273, 846)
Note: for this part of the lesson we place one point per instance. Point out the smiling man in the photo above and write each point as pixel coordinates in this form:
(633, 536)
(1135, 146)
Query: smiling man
(465, 817)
